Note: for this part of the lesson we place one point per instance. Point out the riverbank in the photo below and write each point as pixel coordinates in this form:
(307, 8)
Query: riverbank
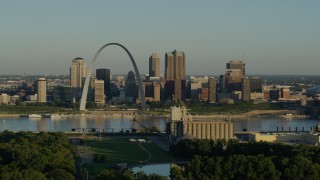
(141, 114)
(9, 115)
(283, 114)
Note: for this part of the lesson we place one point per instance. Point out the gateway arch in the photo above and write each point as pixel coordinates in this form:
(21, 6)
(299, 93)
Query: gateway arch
(86, 84)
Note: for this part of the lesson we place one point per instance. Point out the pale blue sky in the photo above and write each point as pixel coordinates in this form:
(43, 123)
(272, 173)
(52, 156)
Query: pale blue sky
(277, 37)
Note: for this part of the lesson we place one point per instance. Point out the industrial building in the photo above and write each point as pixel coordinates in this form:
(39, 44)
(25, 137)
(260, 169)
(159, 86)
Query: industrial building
(181, 124)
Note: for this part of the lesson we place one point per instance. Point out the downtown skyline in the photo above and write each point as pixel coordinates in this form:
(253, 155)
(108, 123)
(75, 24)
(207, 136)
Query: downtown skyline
(278, 38)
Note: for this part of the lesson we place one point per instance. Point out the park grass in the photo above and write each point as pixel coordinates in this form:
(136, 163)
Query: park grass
(118, 150)
(158, 155)
(121, 150)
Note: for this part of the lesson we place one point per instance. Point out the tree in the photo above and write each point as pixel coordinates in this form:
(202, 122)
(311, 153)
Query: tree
(176, 174)
(300, 168)
(107, 174)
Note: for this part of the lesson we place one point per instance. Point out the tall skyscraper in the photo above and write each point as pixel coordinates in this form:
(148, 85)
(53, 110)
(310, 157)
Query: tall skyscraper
(175, 65)
(77, 72)
(104, 74)
(245, 89)
(42, 90)
(236, 64)
(175, 75)
(235, 72)
(154, 65)
(131, 87)
(233, 80)
(212, 88)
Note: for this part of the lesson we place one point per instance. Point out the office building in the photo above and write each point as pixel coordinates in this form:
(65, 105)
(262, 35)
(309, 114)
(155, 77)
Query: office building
(175, 76)
(194, 88)
(77, 72)
(274, 94)
(233, 79)
(175, 65)
(256, 84)
(151, 91)
(212, 88)
(245, 89)
(222, 83)
(131, 90)
(42, 90)
(104, 74)
(285, 93)
(234, 74)
(62, 93)
(177, 90)
(236, 64)
(204, 95)
(154, 65)
(99, 97)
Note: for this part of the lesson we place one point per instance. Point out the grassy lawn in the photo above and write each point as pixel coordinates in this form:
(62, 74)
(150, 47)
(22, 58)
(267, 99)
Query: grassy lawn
(121, 150)
(118, 150)
(158, 155)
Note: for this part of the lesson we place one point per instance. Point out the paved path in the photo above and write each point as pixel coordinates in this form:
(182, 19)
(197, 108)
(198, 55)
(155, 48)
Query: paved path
(145, 150)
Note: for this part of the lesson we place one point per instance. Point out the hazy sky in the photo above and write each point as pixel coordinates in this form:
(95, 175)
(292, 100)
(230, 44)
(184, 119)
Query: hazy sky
(277, 37)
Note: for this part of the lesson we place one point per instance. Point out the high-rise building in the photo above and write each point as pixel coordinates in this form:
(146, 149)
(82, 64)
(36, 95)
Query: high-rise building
(212, 90)
(175, 65)
(62, 93)
(154, 65)
(245, 89)
(204, 95)
(77, 72)
(131, 87)
(236, 64)
(197, 87)
(233, 79)
(99, 96)
(151, 91)
(222, 83)
(104, 74)
(236, 70)
(177, 90)
(175, 75)
(255, 84)
(42, 90)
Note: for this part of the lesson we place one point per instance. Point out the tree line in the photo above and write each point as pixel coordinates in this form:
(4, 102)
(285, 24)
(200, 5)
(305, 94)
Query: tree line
(27, 155)
(253, 160)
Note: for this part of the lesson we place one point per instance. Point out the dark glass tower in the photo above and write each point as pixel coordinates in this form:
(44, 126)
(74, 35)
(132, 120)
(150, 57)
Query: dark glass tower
(104, 74)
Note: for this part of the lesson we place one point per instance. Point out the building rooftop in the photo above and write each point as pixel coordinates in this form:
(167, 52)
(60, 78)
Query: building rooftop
(78, 59)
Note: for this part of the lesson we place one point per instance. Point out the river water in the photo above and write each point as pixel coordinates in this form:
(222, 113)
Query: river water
(116, 124)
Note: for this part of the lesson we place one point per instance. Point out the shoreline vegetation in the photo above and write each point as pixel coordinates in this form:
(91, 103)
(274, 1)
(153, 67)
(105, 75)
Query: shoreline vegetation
(287, 114)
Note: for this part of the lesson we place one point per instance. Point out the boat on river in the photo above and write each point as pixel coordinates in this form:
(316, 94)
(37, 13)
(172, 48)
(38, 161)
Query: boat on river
(35, 116)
